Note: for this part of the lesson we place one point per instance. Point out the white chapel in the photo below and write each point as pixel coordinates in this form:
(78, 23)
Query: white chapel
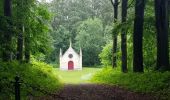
(71, 60)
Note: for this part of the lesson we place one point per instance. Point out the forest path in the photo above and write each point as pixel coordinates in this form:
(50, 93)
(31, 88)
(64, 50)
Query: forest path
(96, 92)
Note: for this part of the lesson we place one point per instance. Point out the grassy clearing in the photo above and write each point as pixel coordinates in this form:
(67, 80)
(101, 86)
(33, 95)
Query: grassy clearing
(157, 83)
(76, 77)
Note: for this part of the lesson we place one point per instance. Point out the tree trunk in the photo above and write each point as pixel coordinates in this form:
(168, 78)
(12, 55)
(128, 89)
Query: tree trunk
(7, 52)
(27, 49)
(161, 13)
(114, 52)
(21, 33)
(169, 7)
(114, 36)
(137, 36)
(20, 44)
(123, 37)
(169, 11)
(169, 28)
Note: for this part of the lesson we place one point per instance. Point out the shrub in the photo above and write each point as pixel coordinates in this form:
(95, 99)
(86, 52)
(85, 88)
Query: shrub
(37, 78)
(106, 55)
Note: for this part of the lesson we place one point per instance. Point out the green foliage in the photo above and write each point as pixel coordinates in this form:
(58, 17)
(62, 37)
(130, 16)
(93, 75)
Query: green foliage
(69, 15)
(150, 82)
(41, 40)
(35, 18)
(106, 55)
(90, 39)
(61, 39)
(107, 33)
(37, 79)
(149, 38)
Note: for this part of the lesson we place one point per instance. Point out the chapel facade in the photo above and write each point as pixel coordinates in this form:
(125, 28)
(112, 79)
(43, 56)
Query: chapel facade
(70, 60)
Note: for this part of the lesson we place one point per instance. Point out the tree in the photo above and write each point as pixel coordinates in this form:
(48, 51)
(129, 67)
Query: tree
(138, 35)
(169, 10)
(1, 7)
(161, 13)
(115, 4)
(20, 18)
(61, 40)
(37, 32)
(7, 51)
(149, 37)
(69, 14)
(27, 48)
(90, 39)
(24, 29)
(106, 55)
(32, 29)
(123, 36)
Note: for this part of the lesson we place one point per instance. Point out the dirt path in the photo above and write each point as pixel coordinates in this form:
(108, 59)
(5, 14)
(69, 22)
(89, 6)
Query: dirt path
(96, 92)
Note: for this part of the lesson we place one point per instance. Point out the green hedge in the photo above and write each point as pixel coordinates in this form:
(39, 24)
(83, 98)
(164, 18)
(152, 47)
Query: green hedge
(37, 79)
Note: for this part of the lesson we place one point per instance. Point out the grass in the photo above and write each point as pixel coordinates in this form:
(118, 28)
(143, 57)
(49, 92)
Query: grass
(76, 77)
(157, 83)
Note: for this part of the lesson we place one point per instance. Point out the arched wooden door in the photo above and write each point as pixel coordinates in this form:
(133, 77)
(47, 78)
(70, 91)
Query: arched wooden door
(70, 65)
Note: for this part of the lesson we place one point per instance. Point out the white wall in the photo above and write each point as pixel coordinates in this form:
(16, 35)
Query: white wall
(64, 59)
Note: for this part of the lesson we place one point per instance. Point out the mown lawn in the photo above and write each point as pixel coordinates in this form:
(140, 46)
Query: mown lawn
(76, 77)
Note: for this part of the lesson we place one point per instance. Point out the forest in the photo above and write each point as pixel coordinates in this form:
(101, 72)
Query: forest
(128, 40)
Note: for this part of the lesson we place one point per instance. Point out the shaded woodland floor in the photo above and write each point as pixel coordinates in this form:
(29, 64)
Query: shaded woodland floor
(96, 92)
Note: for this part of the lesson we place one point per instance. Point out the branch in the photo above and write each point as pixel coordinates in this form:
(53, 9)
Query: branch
(130, 4)
(112, 2)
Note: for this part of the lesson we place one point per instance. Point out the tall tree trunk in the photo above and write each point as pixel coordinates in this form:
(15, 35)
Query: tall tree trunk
(27, 49)
(114, 36)
(123, 37)
(161, 13)
(137, 36)
(21, 28)
(169, 10)
(169, 27)
(7, 52)
(114, 52)
(20, 44)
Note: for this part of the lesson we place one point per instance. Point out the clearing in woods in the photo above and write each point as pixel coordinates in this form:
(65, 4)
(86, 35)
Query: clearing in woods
(76, 77)
(78, 87)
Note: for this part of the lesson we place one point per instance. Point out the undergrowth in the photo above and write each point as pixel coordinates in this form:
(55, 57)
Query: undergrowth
(37, 78)
(157, 83)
